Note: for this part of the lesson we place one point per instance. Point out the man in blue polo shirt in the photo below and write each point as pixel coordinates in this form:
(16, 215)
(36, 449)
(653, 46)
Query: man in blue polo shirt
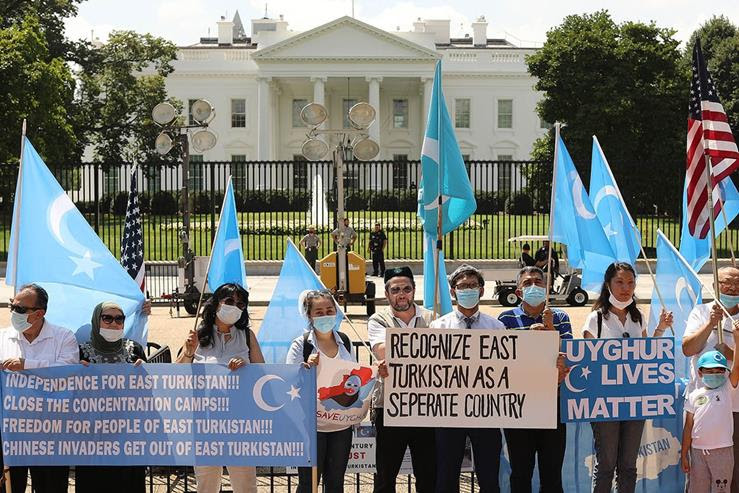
(524, 445)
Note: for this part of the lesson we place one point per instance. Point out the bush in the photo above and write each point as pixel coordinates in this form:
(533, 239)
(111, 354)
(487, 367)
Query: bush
(144, 203)
(490, 202)
(519, 204)
(120, 203)
(105, 202)
(164, 203)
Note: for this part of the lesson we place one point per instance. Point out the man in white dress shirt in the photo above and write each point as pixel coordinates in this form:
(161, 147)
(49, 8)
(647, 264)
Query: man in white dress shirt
(32, 342)
(467, 285)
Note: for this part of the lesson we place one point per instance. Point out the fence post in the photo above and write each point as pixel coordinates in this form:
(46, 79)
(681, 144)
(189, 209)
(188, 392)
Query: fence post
(451, 245)
(212, 202)
(97, 198)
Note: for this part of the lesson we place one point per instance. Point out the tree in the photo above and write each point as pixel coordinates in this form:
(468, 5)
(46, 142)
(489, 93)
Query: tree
(625, 84)
(720, 45)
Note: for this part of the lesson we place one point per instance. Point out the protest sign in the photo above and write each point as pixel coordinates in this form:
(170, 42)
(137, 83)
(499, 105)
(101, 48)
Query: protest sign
(471, 378)
(344, 393)
(619, 379)
(117, 414)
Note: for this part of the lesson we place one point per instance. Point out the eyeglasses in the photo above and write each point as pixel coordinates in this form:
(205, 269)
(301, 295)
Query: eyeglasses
(109, 319)
(21, 309)
(398, 289)
(467, 286)
(231, 302)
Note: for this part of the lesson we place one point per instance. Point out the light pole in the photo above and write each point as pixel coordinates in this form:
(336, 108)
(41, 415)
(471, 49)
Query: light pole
(356, 139)
(175, 133)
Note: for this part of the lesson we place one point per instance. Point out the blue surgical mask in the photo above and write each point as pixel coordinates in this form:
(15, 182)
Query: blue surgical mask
(534, 295)
(714, 380)
(729, 300)
(468, 298)
(324, 324)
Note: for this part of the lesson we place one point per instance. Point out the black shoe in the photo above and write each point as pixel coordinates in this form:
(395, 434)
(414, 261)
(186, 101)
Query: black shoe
(374, 274)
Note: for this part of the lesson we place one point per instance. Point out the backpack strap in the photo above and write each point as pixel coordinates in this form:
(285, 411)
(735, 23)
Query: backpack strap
(308, 347)
(600, 323)
(248, 340)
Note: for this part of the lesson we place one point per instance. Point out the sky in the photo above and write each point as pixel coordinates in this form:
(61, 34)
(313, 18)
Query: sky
(524, 22)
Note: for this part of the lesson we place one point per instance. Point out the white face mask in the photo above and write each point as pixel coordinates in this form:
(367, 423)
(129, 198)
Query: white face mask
(229, 314)
(621, 305)
(111, 335)
(19, 321)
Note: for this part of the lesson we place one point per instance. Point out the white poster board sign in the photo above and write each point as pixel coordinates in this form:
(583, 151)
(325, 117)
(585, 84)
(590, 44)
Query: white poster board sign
(459, 378)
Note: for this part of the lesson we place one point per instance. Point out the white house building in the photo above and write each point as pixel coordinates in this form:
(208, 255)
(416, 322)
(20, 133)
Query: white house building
(258, 83)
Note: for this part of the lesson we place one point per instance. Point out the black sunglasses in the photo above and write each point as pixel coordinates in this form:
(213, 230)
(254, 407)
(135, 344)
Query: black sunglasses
(231, 302)
(22, 309)
(108, 319)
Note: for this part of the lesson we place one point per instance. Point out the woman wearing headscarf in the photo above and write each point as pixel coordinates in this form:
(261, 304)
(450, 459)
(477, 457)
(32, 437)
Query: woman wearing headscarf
(107, 345)
(224, 337)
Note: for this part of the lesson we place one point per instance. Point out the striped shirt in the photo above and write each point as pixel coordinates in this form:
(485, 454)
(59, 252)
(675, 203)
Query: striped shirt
(517, 319)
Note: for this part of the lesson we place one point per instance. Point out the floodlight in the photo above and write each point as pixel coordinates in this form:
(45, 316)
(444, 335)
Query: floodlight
(361, 115)
(314, 149)
(313, 114)
(201, 110)
(204, 140)
(163, 113)
(163, 143)
(366, 149)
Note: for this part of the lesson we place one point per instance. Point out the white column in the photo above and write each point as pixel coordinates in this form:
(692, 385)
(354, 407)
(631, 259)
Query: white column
(374, 101)
(428, 86)
(264, 119)
(319, 90)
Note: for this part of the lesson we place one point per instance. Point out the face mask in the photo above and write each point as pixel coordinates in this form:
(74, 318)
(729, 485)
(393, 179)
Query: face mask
(111, 335)
(19, 321)
(229, 314)
(728, 300)
(621, 305)
(713, 380)
(534, 295)
(324, 324)
(468, 298)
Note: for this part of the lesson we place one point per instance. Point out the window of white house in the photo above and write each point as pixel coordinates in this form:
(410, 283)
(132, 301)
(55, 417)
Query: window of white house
(467, 165)
(298, 105)
(462, 113)
(505, 172)
(400, 171)
(400, 113)
(346, 106)
(238, 113)
(111, 182)
(300, 171)
(196, 172)
(505, 113)
(238, 171)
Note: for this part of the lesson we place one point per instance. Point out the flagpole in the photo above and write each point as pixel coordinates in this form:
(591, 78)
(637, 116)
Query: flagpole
(557, 127)
(210, 259)
(728, 234)
(439, 235)
(17, 210)
(714, 256)
(635, 230)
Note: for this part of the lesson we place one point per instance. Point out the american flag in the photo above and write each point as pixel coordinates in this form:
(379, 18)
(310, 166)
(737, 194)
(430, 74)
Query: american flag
(708, 134)
(132, 242)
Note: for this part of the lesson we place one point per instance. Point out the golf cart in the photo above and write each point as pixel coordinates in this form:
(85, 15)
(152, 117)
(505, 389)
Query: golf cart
(566, 287)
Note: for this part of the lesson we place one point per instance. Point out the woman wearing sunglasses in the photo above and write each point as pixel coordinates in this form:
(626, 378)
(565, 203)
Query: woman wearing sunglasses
(107, 345)
(224, 337)
(614, 315)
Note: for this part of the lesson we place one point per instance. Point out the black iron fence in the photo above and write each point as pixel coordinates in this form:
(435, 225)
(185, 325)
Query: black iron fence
(280, 199)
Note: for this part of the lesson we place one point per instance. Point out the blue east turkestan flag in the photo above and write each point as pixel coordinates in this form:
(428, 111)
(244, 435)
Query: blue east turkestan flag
(283, 320)
(440, 154)
(53, 245)
(611, 210)
(445, 298)
(227, 256)
(680, 290)
(576, 224)
(697, 251)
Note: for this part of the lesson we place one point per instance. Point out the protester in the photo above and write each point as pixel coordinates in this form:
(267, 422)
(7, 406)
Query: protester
(527, 446)
(345, 238)
(311, 242)
(700, 336)
(323, 340)
(526, 259)
(543, 253)
(467, 286)
(107, 345)
(376, 245)
(32, 342)
(391, 442)
(615, 315)
(708, 419)
(224, 337)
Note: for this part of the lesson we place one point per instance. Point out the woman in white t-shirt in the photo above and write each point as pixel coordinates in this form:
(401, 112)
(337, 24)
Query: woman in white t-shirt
(615, 314)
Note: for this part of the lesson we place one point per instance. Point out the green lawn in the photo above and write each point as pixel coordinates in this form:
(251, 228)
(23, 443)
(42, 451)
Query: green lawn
(264, 235)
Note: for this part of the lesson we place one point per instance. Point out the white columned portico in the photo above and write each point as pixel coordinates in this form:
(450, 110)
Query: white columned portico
(264, 119)
(374, 101)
